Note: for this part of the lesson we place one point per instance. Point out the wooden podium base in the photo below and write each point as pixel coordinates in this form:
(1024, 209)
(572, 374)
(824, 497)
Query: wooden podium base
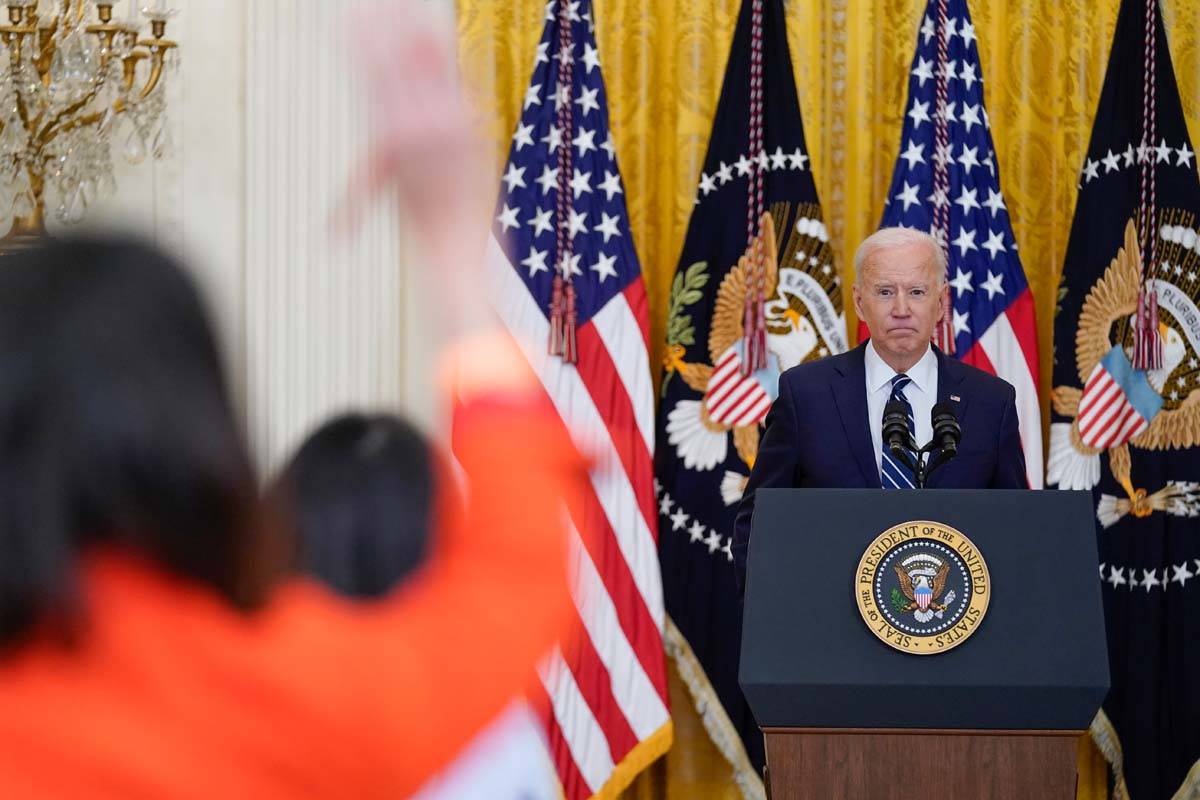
(863, 764)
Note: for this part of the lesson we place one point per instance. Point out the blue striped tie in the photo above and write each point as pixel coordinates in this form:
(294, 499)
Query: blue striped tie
(893, 474)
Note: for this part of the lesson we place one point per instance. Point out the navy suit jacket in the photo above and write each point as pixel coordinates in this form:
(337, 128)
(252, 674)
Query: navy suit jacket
(817, 435)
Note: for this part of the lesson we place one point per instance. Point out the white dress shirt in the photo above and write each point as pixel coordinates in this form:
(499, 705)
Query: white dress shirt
(921, 393)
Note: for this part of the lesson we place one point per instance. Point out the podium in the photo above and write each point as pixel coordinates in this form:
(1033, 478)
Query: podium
(995, 714)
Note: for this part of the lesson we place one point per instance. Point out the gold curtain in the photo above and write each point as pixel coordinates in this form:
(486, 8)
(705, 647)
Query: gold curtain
(663, 61)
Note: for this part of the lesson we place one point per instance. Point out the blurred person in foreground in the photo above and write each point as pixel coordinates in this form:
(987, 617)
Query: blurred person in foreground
(149, 645)
(360, 495)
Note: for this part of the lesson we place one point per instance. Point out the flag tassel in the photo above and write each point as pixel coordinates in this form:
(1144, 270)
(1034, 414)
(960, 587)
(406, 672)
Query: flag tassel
(570, 349)
(1147, 344)
(555, 346)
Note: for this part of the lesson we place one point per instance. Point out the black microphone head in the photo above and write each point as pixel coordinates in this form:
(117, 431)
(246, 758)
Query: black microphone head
(895, 426)
(945, 426)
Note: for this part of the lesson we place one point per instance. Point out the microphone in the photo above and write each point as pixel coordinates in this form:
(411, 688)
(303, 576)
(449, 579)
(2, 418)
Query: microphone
(946, 430)
(895, 428)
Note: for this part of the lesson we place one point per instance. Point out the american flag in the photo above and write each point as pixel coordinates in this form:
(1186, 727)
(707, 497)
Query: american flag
(993, 317)
(561, 212)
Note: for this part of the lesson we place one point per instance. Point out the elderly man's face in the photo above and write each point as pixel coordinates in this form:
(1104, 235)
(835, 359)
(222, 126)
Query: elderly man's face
(898, 297)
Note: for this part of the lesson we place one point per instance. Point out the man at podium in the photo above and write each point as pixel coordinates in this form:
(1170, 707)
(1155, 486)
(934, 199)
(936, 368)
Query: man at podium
(825, 428)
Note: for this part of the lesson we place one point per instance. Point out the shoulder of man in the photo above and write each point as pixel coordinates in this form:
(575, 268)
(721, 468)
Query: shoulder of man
(812, 374)
(980, 383)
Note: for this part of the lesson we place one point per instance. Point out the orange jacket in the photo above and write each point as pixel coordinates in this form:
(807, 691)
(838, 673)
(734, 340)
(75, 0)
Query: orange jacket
(174, 694)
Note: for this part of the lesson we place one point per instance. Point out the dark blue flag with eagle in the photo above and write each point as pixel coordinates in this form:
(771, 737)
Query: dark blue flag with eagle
(755, 292)
(1126, 404)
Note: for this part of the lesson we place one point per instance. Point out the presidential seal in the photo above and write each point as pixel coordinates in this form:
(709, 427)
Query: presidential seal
(922, 587)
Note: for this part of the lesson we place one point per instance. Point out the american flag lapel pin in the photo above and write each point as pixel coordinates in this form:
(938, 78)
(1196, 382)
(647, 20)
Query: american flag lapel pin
(956, 398)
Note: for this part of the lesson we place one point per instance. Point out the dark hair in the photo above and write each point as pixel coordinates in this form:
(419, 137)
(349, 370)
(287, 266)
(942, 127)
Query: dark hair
(360, 491)
(115, 426)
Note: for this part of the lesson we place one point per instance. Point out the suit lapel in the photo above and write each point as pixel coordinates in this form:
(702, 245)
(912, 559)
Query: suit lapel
(850, 394)
(950, 375)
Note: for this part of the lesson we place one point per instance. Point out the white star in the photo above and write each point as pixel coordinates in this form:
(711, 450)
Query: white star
(562, 96)
(960, 322)
(608, 147)
(535, 261)
(968, 76)
(585, 141)
(962, 282)
(1128, 155)
(1150, 579)
(604, 266)
(531, 96)
(923, 71)
(579, 183)
(927, 30)
(666, 505)
(948, 113)
(565, 53)
(707, 184)
(724, 174)
(550, 11)
(908, 195)
(727, 548)
(970, 116)
(993, 284)
(967, 200)
(967, 32)
(1091, 169)
(994, 243)
(987, 162)
(1143, 152)
(743, 165)
(587, 101)
(513, 177)
(948, 32)
(761, 159)
(1182, 574)
(778, 159)
(696, 531)
(1111, 162)
(915, 154)
(573, 11)
(967, 158)
(919, 113)
(607, 226)
(938, 198)
(523, 136)
(553, 138)
(548, 180)
(713, 541)
(575, 222)
(995, 202)
(942, 155)
(540, 222)
(541, 54)
(591, 57)
(796, 159)
(679, 519)
(1185, 155)
(949, 71)
(610, 185)
(508, 218)
(573, 264)
(965, 241)
(1116, 576)
(1163, 152)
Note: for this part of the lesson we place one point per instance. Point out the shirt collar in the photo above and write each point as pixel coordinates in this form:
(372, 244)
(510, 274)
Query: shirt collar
(923, 373)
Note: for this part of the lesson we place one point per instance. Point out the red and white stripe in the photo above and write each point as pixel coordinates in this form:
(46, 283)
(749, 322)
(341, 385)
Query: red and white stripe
(1106, 417)
(606, 689)
(1008, 349)
(732, 398)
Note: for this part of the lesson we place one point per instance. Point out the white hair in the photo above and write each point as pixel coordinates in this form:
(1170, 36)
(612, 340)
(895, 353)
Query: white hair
(889, 238)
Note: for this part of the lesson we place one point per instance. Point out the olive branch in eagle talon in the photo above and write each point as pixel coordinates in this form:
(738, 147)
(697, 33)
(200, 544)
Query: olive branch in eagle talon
(909, 589)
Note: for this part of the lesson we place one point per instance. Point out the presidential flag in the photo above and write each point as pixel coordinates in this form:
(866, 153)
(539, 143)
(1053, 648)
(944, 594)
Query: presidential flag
(755, 292)
(566, 282)
(947, 182)
(1126, 410)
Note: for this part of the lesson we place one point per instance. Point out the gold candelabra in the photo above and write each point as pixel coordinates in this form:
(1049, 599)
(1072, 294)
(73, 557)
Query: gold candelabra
(72, 88)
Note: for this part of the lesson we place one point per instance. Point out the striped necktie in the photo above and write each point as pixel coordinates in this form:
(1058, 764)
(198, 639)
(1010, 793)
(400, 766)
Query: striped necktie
(893, 474)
